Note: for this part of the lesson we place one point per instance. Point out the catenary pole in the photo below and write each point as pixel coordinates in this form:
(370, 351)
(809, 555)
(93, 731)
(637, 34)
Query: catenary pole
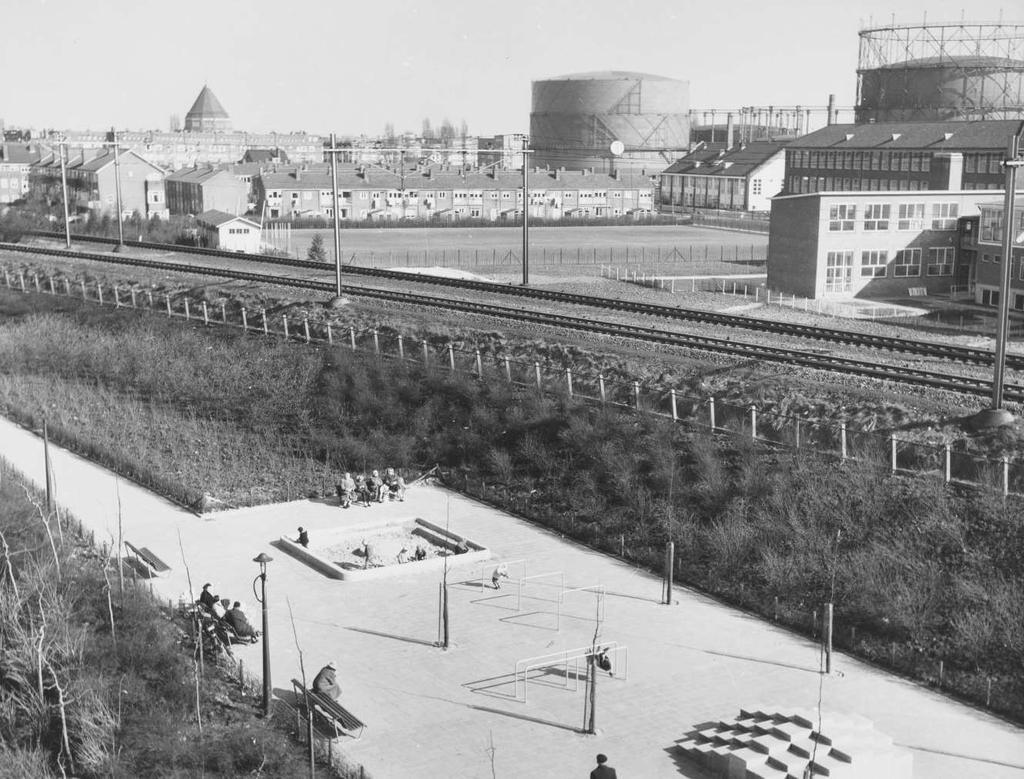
(1013, 162)
(337, 223)
(526, 216)
(117, 190)
(62, 149)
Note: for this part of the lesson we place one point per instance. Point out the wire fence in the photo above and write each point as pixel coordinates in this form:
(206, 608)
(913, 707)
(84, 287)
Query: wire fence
(950, 461)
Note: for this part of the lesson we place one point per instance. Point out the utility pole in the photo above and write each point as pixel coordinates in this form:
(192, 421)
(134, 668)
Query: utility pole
(62, 148)
(1012, 163)
(117, 190)
(337, 216)
(526, 215)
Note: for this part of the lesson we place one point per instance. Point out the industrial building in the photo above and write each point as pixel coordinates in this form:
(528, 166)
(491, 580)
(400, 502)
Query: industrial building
(940, 71)
(608, 121)
(982, 241)
(899, 156)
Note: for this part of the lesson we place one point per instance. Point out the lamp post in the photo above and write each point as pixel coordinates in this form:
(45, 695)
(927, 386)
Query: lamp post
(263, 558)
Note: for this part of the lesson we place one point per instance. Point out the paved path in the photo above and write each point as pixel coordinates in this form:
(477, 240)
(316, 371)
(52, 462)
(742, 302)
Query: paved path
(437, 713)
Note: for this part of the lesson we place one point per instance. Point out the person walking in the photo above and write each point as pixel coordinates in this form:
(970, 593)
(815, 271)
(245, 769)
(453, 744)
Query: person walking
(603, 770)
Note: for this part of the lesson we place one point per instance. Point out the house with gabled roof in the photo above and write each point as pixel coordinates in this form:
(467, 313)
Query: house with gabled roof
(206, 188)
(93, 187)
(741, 178)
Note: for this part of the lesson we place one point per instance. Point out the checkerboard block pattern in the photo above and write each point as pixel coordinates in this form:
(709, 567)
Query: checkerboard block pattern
(765, 743)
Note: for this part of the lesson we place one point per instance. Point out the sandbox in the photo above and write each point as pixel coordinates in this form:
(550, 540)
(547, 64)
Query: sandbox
(341, 553)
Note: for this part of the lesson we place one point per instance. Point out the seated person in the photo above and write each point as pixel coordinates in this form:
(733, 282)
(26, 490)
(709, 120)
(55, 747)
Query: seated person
(346, 490)
(220, 607)
(303, 539)
(377, 487)
(240, 623)
(362, 490)
(395, 484)
(326, 682)
(402, 556)
(207, 598)
(462, 547)
(420, 553)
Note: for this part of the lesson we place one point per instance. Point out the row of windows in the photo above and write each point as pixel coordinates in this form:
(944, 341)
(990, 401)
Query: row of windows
(992, 225)
(878, 216)
(915, 162)
(803, 184)
(874, 264)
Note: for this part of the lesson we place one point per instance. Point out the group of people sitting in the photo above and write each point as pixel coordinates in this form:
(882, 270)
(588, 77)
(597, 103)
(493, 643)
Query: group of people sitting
(376, 488)
(222, 612)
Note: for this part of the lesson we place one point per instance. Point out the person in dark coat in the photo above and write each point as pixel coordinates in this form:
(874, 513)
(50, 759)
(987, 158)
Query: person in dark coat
(603, 770)
(207, 598)
(326, 681)
(303, 539)
(240, 623)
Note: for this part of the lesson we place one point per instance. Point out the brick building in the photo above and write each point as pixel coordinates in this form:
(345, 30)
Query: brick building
(903, 156)
(92, 185)
(983, 241)
(198, 189)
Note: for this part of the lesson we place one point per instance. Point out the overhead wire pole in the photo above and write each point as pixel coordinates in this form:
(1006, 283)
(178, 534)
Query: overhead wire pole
(1012, 163)
(62, 149)
(117, 190)
(526, 216)
(336, 210)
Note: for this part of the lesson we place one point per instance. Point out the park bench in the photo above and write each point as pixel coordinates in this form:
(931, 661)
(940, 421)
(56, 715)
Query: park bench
(329, 709)
(153, 564)
(917, 292)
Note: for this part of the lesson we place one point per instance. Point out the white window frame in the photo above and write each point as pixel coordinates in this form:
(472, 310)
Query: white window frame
(910, 216)
(944, 216)
(940, 260)
(901, 269)
(842, 217)
(874, 263)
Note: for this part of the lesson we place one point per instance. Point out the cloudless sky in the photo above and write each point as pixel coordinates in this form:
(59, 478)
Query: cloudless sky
(352, 67)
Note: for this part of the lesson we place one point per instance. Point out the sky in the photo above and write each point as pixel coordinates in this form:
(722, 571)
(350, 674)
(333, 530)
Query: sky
(353, 67)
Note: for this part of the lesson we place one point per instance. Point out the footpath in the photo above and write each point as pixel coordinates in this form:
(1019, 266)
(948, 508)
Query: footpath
(459, 713)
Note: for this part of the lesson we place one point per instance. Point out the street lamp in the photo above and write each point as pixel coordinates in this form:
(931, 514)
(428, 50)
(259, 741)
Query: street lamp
(263, 558)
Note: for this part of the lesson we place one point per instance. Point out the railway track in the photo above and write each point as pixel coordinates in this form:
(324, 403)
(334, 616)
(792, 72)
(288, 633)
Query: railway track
(923, 349)
(715, 345)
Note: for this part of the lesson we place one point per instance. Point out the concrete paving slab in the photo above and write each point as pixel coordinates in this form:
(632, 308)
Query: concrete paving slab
(431, 712)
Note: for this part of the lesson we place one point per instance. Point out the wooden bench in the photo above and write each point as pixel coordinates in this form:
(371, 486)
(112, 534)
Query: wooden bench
(917, 292)
(329, 709)
(154, 565)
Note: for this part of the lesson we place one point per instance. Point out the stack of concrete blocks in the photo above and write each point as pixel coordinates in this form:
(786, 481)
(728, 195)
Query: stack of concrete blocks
(764, 743)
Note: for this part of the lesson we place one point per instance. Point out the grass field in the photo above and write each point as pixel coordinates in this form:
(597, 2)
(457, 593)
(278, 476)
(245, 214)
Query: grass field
(549, 246)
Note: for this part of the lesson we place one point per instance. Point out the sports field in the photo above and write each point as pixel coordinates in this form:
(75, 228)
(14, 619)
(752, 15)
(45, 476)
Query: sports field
(550, 247)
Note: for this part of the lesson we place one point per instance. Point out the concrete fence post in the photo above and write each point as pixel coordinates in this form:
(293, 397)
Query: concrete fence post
(188, 313)
(99, 293)
(21, 280)
(600, 384)
(132, 290)
(796, 434)
(479, 364)
(568, 381)
(149, 298)
(675, 412)
(245, 320)
(35, 281)
(376, 342)
(352, 337)
(711, 410)
(84, 293)
(451, 357)
(892, 449)
(167, 301)
(206, 314)
(223, 314)
(636, 394)
(52, 290)
(536, 371)
(949, 464)
(284, 322)
(1006, 476)
(305, 328)
(426, 353)
(263, 316)
(117, 297)
(842, 440)
(508, 368)
(401, 348)
(753, 423)
(67, 285)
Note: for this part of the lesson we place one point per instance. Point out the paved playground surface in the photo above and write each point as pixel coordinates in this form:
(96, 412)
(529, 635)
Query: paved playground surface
(456, 713)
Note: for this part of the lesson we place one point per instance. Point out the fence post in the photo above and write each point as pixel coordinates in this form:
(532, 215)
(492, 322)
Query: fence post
(284, 321)
(52, 290)
(223, 314)
(7, 278)
(81, 283)
(67, 285)
(21, 280)
(245, 320)
(330, 334)
(636, 394)
(401, 348)
(797, 434)
(508, 368)
(451, 357)
(376, 341)
(117, 298)
(1006, 476)
(675, 412)
(892, 447)
(167, 302)
(753, 422)
(425, 353)
(206, 312)
(842, 439)
(949, 469)
(479, 364)
(35, 281)
(536, 370)
(263, 315)
(132, 290)
(352, 337)
(711, 410)
(568, 380)
(600, 383)
(305, 328)
(187, 312)
(99, 293)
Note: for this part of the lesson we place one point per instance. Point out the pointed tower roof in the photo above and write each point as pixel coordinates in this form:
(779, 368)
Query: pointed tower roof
(207, 105)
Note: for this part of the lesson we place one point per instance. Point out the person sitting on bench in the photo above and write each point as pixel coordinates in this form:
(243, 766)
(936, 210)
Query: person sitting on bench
(303, 539)
(346, 490)
(376, 487)
(362, 490)
(240, 623)
(326, 682)
(207, 598)
(220, 606)
(395, 484)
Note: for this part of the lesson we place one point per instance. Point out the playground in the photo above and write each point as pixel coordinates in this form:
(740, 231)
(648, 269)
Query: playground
(507, 696)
